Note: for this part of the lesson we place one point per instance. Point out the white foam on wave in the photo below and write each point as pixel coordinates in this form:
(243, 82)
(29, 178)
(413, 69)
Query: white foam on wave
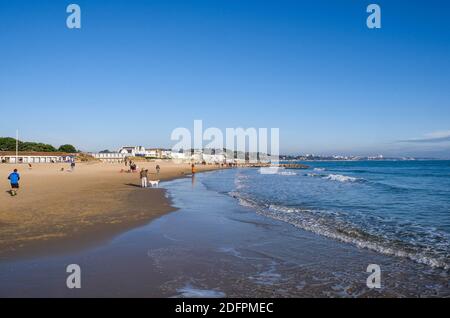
(312, 221)
(334, 177)
(239, 181)
(319, 169)
(242, 201)
(287, 209)
(287, 173)
(190, 292)
(340, 178)
(307, 221)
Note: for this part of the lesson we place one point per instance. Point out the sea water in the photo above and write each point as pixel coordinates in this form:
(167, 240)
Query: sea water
(399, 208)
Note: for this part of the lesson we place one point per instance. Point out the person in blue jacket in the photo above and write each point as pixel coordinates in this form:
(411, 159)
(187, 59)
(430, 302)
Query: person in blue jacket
(14, 180)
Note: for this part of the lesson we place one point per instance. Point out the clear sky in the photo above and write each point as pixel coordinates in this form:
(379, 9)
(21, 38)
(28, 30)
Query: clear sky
(138, 69)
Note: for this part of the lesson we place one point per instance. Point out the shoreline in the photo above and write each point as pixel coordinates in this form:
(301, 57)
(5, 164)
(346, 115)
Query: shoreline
(58, 211)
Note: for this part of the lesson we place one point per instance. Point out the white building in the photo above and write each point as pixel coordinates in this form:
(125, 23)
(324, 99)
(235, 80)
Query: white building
(132, 151)
(158, 153)
(153, 153)
(166, 154)
(215, 159)
(181, 156)
(109, 156)
(197, 155)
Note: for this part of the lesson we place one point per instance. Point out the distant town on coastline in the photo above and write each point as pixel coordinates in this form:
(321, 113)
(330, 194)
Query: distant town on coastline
(312, 157)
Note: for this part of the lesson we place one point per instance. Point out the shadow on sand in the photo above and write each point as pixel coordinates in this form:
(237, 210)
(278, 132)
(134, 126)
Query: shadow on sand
(133, 185)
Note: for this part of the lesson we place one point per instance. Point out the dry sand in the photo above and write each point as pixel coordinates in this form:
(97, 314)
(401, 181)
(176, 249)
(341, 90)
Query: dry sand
(59, 210)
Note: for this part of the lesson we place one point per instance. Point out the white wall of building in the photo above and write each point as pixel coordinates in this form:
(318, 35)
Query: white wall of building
(109, 156)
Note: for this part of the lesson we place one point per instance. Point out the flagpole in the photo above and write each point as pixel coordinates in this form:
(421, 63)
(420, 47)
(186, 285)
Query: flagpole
(17, 146)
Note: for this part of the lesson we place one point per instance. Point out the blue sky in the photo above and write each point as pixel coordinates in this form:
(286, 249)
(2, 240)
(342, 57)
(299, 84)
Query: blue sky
(138, 69)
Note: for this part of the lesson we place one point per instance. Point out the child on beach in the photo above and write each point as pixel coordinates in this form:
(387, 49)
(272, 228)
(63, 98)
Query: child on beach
(157, 169)
(144, 178)
(14, 180)
(193, 169)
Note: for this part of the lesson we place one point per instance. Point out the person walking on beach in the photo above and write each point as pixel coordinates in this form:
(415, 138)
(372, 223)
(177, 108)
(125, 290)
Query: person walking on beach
(157, 169)
(72, 165)
(193, 169)
(144, 178)
(14, 180)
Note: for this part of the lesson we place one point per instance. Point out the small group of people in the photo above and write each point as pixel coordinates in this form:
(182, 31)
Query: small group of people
(131, 164)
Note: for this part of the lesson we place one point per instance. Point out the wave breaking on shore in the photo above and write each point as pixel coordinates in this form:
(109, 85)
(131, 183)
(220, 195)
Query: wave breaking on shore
(326, 223)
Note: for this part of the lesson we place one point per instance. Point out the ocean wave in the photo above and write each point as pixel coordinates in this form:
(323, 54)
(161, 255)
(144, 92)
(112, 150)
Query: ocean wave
(189, 291)
(340, 178)
(287, 209)
(319, 169)
(239, 181)
(287, 173)
(326, 224)
(246, 202)
(270, 170)
(335, 177)
(281, 171)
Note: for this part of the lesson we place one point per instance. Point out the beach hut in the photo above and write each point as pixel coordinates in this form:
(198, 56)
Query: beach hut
(34, 157)
(110, 157)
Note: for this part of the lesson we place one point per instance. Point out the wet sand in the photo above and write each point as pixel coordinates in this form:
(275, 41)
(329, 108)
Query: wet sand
(60, 210)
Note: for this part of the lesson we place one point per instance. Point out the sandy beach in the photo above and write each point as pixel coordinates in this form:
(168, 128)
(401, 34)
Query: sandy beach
(58, 210)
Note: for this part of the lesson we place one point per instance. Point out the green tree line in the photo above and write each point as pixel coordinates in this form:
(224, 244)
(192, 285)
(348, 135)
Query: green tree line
(9, 144)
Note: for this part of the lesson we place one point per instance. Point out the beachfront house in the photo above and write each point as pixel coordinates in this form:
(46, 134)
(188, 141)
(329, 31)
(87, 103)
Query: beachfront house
(214, 158)
(132, 151)
(153, 153)
(166, 154)
(158, 153)
(35, 157)
(181, 156)
(197, 155)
